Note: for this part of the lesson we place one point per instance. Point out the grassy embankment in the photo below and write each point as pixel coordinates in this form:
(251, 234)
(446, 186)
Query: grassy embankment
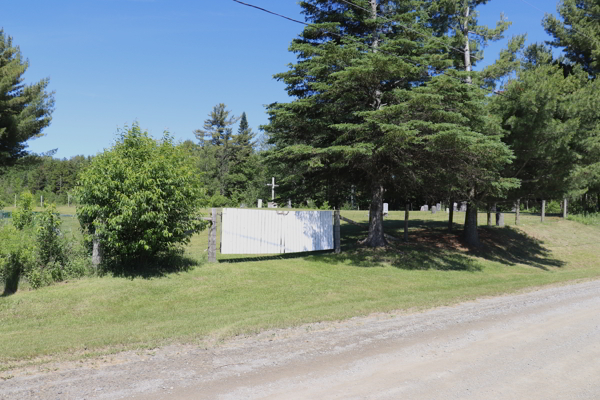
(241, 295)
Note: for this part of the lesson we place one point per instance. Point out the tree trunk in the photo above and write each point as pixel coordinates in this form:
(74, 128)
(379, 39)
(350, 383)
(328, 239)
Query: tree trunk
(490, 223)
(406, 222)
(375, 237)
(451, 216)
(467, 48)
(96, 252)
(518, 212)
(470, 232)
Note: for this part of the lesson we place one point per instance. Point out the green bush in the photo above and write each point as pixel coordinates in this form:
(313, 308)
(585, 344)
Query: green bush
(17, 255)
(50, 247)
(553, 207)
(40, 254)
(141, 197)
(23, 215)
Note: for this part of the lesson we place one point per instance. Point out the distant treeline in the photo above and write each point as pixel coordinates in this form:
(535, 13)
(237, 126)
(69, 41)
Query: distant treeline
(50, 177)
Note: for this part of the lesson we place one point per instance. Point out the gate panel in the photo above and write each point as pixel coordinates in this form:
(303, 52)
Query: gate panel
(275, 232)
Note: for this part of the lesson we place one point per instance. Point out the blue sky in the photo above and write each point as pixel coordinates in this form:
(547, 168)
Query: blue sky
(166, 63)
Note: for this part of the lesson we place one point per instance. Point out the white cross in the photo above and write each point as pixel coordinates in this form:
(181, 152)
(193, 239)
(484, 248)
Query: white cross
(273, 186)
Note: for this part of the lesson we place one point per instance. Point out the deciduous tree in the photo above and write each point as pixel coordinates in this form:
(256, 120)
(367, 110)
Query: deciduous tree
(141, 197)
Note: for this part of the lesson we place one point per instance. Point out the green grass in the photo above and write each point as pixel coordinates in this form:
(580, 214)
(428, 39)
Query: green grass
(587, 219)
(242, 295)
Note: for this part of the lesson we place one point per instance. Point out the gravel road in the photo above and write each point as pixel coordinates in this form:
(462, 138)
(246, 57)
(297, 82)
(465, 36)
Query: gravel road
(543, 344)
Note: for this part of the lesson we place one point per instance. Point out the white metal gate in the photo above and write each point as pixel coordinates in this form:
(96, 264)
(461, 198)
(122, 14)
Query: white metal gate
(274, 232)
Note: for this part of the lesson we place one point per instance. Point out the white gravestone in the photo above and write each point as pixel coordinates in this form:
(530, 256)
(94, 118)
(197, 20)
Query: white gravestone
(259, 203)
(385, 208)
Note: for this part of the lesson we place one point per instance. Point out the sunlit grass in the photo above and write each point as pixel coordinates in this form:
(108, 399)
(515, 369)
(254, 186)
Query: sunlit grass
(587, 219)
(241, 295)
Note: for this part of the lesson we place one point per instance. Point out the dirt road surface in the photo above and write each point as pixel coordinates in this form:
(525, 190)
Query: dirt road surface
(538, 345)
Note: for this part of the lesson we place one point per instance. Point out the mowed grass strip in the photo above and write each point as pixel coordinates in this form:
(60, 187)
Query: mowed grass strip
(244, 295)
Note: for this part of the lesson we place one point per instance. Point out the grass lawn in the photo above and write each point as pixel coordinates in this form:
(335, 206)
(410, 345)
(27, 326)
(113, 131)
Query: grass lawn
(242, 295)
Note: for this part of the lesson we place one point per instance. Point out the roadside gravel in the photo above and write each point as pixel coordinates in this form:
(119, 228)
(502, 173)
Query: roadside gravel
(543, 344)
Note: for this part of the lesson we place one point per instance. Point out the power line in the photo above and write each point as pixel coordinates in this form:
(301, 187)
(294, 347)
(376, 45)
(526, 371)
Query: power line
(323, 30)
(349, 37)
(273, 13)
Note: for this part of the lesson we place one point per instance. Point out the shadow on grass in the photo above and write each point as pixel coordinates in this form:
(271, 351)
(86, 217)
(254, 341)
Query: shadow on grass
(11, 282)
(511, 246)
(286, 256)
(431, 246)
(158, 266)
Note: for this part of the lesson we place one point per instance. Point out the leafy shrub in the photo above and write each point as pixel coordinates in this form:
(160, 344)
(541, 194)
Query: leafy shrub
(47, 236)
(553, 207)
(40, 254)
(17, 255)
(325, 206)
(217, 200)
(23, 215)
(585, 218)
(140, 197)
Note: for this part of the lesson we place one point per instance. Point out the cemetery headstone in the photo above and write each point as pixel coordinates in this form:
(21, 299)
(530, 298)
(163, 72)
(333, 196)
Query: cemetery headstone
(433, 210)
(243, 205)
(455, 207)
(422, 208)
(289, 204)
(259, 203)
(447, 210)
(385, 208)
(463, 206)
(426, 207)
(438, 206)
(271, 204)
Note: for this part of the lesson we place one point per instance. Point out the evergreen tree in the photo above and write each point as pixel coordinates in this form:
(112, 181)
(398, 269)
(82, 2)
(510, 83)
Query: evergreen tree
(551, 126)
(459, 19)
(246, 176)
(357, 118)
(217, 136)
(578, 33)
(25, 110)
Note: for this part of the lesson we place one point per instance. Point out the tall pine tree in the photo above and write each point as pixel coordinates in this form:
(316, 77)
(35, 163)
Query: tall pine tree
(357, 117)
(216, 139)
(25, 110)
(577, 33)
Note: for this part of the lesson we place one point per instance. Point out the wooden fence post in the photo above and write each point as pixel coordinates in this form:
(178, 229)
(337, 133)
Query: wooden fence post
(212, 238)
(406, 222)
(96, 251)
(336, 232)
(543, 209)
